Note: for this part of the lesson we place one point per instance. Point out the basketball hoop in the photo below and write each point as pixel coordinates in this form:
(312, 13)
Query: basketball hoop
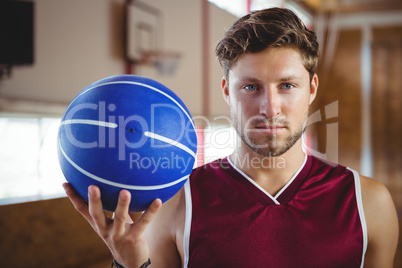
(165, 62)
(144, 39)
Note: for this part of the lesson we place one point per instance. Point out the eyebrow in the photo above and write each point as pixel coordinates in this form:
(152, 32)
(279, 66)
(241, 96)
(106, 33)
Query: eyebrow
(282, 79)
(290, 78)
(249, 79)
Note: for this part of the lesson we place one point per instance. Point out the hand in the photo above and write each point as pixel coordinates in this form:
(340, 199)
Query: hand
(122, 234)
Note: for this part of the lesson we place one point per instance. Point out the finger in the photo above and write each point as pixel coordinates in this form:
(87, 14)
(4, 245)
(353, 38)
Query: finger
(121, 212)
(96, 209)
(78, 202)
(144, 220)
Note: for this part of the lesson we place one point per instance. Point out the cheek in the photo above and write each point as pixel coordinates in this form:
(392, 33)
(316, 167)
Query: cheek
(296, 108)
(247, 109)
(240, 104)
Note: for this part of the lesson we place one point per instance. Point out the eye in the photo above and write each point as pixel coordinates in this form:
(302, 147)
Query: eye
(250, 87)
(287, 86)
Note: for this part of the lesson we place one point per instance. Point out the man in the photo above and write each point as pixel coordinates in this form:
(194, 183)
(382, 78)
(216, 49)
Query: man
(240, 212)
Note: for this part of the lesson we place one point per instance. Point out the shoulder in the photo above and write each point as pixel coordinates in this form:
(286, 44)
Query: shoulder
(213, 167)
(376, 198)
(209, 173)
(374, 192)
(382, 222)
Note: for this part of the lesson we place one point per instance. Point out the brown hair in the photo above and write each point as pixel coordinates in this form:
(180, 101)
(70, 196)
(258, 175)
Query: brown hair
(268, 28)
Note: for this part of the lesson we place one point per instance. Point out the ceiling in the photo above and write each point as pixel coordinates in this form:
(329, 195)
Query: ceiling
(349, 6)
(307, 10)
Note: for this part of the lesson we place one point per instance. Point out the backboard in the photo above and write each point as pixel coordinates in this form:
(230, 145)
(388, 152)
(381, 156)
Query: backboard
(143, 26)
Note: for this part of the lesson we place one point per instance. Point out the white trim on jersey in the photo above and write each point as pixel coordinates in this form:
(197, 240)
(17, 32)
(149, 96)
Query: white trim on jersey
(293, 178)
(187, 223)
(274, 198)
(361, 212)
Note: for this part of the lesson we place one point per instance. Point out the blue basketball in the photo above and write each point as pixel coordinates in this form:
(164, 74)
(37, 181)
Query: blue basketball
(127, 132)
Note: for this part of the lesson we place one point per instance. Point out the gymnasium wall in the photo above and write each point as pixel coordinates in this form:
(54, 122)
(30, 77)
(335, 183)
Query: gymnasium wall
(76, 43)
(79, 42)
(341, 84)
(49, 233)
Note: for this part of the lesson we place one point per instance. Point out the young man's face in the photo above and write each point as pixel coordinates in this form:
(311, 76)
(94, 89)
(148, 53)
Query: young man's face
(269, 94)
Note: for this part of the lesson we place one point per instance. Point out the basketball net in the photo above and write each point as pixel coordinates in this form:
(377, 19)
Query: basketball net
(164, 62)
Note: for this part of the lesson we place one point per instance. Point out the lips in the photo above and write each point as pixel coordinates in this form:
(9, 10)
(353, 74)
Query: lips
(269, 126)
(270, 129)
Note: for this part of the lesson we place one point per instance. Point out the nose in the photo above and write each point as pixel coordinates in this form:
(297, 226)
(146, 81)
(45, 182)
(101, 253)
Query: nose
(270, 103)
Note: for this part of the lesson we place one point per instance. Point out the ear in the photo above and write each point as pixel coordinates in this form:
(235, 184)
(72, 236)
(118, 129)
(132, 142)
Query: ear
(225, 89)
(313, 88)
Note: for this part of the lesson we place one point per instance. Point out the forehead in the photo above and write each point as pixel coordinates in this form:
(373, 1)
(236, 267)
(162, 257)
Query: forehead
(272, 63)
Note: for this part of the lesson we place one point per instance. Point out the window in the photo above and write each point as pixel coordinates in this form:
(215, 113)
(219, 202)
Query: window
(29, 168)
(219, 141)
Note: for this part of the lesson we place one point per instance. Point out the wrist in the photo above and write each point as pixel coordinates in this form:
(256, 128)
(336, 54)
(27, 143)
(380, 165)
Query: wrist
(118, 265)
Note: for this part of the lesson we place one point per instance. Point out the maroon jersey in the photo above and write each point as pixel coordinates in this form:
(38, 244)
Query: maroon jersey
(315, 220)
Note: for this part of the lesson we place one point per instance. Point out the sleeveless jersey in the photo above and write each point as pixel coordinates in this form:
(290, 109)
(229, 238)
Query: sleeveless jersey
(315, 220)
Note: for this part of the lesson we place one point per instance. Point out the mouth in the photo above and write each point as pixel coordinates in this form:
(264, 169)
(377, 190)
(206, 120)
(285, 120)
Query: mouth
(270, 129)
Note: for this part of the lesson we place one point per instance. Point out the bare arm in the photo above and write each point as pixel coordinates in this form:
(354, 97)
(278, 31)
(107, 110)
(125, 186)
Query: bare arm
(124, 237)
(165, 233)
(382, 224)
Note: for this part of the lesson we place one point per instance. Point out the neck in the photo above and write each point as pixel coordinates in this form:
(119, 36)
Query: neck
(271, 173)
